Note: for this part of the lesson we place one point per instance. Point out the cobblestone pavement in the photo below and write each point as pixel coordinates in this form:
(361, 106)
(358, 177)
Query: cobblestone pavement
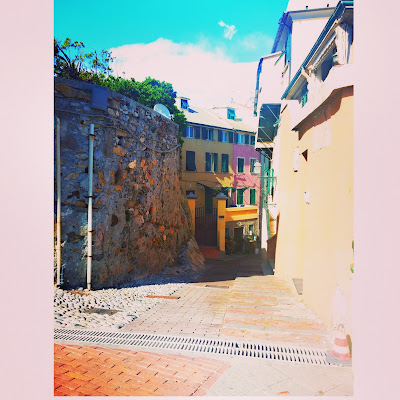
(233, 299)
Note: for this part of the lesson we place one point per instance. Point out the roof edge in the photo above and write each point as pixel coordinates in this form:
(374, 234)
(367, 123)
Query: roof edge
(340, 8)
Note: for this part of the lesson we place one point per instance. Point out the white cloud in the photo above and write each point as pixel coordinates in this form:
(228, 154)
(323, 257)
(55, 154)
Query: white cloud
(206, 76)
(229, 30)
(257, 40)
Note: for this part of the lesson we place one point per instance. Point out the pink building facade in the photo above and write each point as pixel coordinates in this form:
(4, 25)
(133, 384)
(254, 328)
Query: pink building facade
(245, 181)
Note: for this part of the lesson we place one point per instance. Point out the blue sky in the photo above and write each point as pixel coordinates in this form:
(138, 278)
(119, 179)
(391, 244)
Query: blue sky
(208, 50)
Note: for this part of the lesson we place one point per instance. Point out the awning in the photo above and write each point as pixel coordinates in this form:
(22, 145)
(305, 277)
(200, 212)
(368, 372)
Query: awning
(268, 122)
(223, 189)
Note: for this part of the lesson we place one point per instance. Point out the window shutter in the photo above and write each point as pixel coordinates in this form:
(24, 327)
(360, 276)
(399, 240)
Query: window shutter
(230, 137)
(197, 132)
(252, 196)
(225, 163)
(190, 161)
(208, 162)
(219, 136)
(240, 165)
(252, 140)
(246, 139)
(184, 132)
(239, 196)
(204, 133)
(212, 134)
(236, 137)
(215, 162)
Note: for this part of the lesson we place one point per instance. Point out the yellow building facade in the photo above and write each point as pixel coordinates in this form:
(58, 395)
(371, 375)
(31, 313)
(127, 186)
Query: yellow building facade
(315, 202)
(312, 159)
(200, 179)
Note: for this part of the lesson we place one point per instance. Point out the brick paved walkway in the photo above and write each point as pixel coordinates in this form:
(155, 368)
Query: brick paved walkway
(235, 299)
(248, 305)
(95, 371)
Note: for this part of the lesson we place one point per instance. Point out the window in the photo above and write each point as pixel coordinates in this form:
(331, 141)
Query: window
(252, 140)
(231, 113)
(241, 138)
(253, 196)
(225, 163)
(223, 136)
(211, 162)
(252, 163)
(304, 95)
(207, 134)
(190, 132)
(239, 196)
(190, 161)
(240, 165)
(184, 104)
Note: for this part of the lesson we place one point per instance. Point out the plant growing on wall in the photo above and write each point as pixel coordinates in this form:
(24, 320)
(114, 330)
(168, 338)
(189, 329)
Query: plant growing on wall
(72, 62)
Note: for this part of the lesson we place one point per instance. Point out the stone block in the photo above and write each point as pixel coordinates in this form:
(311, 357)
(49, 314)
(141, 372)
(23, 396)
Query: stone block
(119, 151)
(100, 175)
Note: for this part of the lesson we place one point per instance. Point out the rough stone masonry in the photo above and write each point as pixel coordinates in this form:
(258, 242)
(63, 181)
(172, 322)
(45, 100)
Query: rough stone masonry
(141, 219)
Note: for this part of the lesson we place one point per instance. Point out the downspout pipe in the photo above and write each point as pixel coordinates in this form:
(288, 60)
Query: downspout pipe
(90, 209)
(58, 180)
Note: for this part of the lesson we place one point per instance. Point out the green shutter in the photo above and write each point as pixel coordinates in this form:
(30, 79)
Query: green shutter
(190, 161)
(239, 196)
(208, 162)
(240, 165)
(253, 196)
(225, 163)
(215, 162)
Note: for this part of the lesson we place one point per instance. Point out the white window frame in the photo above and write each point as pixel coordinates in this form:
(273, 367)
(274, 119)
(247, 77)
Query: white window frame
(209, 134)
(190, 132)
(237, 165)
(255, 160)
(224, 137)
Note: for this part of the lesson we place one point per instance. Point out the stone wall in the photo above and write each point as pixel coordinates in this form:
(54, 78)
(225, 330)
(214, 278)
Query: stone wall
(141, 219)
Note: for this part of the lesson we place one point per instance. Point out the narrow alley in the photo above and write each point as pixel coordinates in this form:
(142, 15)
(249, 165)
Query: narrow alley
(235, 303)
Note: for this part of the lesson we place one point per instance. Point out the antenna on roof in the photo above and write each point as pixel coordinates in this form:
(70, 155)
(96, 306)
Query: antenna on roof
(160, 108)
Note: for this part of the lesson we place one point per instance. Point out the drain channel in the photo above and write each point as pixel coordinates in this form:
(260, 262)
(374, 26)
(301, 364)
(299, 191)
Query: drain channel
(204, 345)
(218, 286)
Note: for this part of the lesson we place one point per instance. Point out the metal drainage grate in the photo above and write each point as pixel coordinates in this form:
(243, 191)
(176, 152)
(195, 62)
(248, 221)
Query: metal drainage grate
(203, 345)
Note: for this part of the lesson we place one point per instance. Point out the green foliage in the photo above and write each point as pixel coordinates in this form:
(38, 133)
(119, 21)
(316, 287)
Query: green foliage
(90, 67)
(80, 65)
